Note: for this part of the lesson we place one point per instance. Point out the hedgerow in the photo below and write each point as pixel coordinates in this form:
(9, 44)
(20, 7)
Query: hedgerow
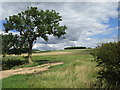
(108, 60)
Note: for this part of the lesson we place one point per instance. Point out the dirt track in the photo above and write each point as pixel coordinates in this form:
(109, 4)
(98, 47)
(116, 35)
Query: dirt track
(47, 53)
(29, 70)
(36, 69)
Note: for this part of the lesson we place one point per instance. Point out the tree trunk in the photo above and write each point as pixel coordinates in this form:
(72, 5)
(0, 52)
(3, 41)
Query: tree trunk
(30, 55)
(30, 58)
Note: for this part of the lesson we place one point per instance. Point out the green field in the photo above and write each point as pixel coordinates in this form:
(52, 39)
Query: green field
(78, 71)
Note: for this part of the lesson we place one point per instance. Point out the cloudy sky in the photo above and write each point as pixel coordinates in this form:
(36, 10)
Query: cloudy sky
(89, 23)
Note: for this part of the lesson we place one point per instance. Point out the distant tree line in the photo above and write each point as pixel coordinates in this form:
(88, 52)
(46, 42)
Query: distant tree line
(75, 48)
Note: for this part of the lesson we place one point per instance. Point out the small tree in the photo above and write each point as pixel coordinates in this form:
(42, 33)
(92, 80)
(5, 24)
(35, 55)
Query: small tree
(7, 43)
(33, 23)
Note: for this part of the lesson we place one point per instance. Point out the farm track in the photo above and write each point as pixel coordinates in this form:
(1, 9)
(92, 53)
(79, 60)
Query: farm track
(28, 70)
(47, 53)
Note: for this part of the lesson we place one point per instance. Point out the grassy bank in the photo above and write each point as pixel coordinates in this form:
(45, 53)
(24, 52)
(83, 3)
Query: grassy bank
(77, 72)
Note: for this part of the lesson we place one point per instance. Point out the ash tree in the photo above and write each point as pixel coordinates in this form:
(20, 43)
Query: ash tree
(33, 23)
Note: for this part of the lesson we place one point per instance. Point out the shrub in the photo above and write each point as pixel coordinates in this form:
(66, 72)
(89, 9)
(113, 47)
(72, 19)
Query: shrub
(107, 57)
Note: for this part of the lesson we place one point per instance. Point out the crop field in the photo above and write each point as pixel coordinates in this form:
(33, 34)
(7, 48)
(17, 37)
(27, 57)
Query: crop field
(76, 71)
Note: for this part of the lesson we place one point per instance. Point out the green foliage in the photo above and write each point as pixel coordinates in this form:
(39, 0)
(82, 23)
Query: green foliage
(33, 23)
(107, 58)
(7, 43)
(13, 44)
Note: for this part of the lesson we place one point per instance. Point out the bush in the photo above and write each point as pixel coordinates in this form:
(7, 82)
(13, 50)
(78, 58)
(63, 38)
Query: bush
(107, 57)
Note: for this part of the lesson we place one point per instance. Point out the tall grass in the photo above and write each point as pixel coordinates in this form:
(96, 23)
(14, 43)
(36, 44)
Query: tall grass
(73, 75)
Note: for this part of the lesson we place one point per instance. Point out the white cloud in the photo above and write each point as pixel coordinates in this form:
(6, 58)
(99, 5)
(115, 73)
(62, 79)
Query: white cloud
(83, 19)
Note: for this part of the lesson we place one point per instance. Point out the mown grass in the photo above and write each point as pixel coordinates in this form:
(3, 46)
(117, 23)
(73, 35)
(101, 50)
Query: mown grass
(77, 72)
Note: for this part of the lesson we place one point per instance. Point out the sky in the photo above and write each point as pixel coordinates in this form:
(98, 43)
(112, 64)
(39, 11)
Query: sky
(88, 23)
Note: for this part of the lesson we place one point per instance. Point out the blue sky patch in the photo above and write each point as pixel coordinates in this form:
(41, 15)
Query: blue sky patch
(113, 23)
